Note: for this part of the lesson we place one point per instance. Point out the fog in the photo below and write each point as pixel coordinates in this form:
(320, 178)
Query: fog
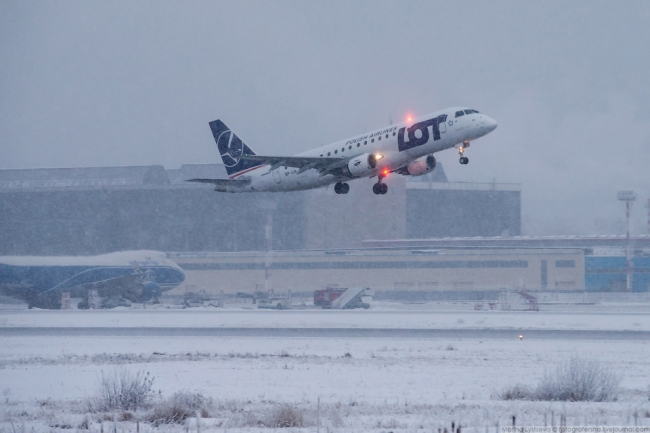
(124, 83)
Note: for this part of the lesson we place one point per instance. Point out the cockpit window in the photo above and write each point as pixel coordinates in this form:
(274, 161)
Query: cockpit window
(459, 113)
(470, 112)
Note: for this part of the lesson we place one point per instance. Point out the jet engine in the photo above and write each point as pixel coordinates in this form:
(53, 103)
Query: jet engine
(362, 165)
(420, 166)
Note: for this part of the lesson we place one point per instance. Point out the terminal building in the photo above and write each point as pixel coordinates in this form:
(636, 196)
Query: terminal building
(605, 262)
(425, 269)
(392, 273)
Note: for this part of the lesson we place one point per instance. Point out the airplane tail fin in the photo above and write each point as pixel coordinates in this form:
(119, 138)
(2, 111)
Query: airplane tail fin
(231, 148)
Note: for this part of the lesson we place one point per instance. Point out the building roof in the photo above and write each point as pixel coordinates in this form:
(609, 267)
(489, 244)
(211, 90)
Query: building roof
(102, 177)
(639, 241)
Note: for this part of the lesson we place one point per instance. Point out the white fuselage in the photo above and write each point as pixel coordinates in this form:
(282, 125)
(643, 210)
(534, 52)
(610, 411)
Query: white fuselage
(385, 141)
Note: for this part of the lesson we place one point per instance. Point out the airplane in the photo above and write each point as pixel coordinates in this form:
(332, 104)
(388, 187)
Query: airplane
(134, 275)
(406, 148)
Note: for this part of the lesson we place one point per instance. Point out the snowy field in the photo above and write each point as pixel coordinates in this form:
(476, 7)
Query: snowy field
(364, 384)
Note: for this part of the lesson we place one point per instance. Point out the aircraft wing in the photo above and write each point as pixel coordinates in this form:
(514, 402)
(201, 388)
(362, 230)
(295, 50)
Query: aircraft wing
(303, 163)
(223, 182)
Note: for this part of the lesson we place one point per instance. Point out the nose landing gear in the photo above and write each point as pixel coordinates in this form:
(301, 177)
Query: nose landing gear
(379, 187)
(341, 188)
(461, 150)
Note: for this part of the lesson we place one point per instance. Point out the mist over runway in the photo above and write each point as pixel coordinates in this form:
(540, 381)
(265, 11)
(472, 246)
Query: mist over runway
(539, 334)
(383, 320)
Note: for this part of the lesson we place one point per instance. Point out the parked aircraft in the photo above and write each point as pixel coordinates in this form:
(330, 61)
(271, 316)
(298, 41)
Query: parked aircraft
(134, 275)
(406, 148)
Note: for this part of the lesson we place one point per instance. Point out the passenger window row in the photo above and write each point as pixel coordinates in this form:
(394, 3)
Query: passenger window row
(359, 144)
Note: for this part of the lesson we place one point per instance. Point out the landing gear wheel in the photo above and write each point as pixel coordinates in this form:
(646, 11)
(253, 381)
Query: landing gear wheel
(380, 188)
(461, 150)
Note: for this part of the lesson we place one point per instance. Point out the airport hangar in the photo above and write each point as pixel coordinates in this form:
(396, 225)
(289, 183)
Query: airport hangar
(96, 210)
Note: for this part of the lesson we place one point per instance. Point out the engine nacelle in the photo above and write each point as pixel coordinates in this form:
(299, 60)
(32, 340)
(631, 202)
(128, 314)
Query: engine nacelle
(419, 167)
(362, 165)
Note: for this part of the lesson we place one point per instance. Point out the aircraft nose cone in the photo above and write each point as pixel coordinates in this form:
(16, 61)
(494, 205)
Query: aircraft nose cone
(490, 124)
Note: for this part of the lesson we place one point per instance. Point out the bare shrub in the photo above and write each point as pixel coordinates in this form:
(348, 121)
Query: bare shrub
(122, 390)
(126, 416)
(286, 415)
(85, 424)
(180, 406)
(516, 392)
(579, 380)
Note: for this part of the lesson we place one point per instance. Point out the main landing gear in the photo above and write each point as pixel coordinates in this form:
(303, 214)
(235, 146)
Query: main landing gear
(380, 188)
(461, 150)
(341, 188)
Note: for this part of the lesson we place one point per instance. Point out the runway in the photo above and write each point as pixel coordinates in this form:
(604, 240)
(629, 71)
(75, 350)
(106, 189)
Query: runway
(539, 334)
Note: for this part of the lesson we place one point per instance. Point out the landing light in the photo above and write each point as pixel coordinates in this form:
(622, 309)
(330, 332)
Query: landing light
(378, 156)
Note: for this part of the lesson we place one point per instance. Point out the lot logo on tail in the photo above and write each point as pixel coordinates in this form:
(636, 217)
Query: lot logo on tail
(230, 148)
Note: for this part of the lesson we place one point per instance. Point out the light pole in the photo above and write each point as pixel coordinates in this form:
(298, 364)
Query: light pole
(648, 206)
(269, 206)
(628, 197)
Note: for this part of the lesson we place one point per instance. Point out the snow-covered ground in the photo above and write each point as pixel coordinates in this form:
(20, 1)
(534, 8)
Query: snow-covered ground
(373, 384)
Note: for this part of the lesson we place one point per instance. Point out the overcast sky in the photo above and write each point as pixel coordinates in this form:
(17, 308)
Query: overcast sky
(135, 83)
